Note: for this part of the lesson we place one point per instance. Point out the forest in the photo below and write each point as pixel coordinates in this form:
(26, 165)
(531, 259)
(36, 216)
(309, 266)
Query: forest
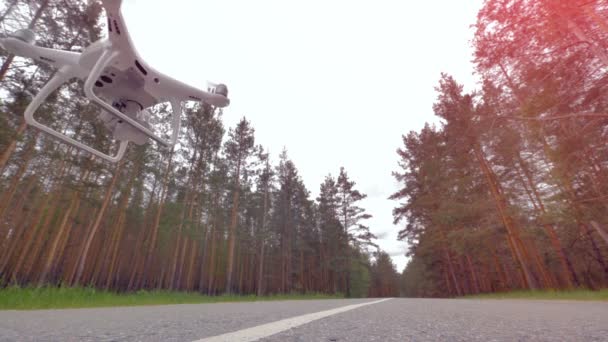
(506, 190)
(509, 191)
(215, 214)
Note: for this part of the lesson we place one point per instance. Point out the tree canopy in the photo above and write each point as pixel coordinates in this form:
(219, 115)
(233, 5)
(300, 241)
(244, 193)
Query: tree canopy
(507, 192)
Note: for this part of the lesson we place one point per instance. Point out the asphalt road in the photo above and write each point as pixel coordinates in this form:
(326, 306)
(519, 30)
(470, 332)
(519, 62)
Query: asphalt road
(332, 320)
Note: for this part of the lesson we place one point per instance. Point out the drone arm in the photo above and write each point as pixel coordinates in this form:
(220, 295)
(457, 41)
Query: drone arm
(189, 93)
(62, 76)
(53, 57)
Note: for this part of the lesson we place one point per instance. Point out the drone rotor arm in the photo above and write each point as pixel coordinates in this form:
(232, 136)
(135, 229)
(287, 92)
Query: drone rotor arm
(53, 57)
(187, 92)
(116, 24)
(56, 58)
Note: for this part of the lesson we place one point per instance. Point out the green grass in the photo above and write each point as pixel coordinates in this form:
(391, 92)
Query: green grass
(601, 295)
(29, 298)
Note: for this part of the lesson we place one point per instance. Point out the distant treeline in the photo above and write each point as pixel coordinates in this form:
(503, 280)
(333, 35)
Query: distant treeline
(213, 215)
(510, 191)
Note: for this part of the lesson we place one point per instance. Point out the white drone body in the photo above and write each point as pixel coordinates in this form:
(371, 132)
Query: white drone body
(115, 78)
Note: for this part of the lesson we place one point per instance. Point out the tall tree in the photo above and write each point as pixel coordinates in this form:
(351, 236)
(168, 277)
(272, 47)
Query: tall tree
(238, 149)
(350, 216)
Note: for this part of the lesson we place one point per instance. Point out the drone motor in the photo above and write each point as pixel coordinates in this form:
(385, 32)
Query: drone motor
(222, 90)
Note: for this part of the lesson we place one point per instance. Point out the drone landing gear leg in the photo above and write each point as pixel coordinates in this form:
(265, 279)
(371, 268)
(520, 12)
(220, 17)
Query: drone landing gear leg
(62, 76)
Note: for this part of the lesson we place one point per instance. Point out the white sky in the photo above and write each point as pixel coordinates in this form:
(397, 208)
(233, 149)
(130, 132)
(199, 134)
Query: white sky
(335, 82)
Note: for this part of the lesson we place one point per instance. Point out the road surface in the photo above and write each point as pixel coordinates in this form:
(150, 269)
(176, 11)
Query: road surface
(319, 320)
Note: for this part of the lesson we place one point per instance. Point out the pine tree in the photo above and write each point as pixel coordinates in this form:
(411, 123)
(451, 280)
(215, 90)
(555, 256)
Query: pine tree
(350, 216)
(238, 149)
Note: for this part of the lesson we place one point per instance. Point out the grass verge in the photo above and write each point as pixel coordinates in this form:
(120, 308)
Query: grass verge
(601, 295)
(29, 298)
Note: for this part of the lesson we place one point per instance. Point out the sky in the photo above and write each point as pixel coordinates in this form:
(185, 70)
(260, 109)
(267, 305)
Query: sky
(336, 83)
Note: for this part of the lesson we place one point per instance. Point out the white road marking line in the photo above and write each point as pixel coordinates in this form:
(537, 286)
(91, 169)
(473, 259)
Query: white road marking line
(265, 330)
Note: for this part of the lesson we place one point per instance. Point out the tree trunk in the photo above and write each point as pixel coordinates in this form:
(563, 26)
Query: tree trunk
(159, 210)
(96, 224)
(119, 228)
(17, 234)
(502, 274)
(176, 252)
(139, 250)
(447, 282)
(260, 289)
(3, 70)
(187, 213)
(512, 229)
(232, 229)
(36, 249)
(6, 198)
(50, 257)
(180, 271)
(190, 268)
(202, 280)
(598, 254)
(214, 238)
(603, 234)
(115, 243)
(452, 273)
(568, 272)
(29, 238)
(74, 203)
(6, 154)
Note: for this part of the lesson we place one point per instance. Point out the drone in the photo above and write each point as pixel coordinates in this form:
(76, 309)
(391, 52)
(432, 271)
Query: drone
(118, 80)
